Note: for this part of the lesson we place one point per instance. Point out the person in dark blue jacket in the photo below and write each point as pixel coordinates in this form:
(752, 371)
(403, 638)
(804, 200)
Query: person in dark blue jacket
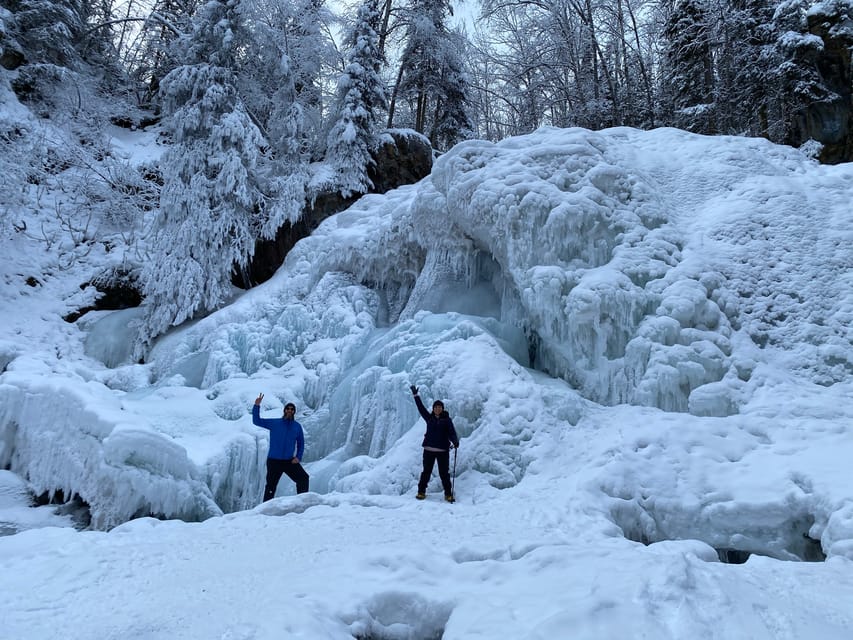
(285, 437)
(440, 436)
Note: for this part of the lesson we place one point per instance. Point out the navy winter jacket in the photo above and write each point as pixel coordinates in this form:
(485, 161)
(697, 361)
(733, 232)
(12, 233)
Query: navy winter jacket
(440, 431)
(285, 435)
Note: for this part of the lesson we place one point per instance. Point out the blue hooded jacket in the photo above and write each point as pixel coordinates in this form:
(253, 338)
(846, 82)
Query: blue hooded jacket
(285, 435)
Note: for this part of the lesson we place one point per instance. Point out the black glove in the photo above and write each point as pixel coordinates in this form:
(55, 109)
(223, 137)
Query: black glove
(414, 390)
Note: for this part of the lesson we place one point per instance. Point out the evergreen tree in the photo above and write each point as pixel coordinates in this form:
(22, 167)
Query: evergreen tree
(158, 48)
(798, 80)
(48, 30)
(689, 67)
(745, 68)
(298, 31)
(286, 167)
(451, 122)
(209, 204)
(431, 76)
(361, 93)
(46, 33)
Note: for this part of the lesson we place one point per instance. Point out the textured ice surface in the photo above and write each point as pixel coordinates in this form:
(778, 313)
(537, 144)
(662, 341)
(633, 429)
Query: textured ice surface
(520, 283)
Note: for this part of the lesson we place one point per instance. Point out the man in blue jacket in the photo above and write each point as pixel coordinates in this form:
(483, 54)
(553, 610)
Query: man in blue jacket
(285, 436)
(440, 436)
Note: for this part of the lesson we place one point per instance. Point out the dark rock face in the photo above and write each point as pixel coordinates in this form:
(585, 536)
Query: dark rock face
(270, 254)
(10, 58)
(404, 161)
(118, 290)
(830, 122)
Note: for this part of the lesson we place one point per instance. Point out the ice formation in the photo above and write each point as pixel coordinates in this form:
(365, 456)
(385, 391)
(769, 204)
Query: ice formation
(146, 451)
(564, 267)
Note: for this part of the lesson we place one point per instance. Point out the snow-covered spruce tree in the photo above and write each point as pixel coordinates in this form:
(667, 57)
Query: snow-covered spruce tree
(300, 30)
(46, 33)
(800, 83)
(210, 201)
(430, 75)
(361, 94)
(47, 30)
(745, 68)
(155, 52)
(688, 67)
(280, 73)
(285, 170)
(64, 39)
(451, 121)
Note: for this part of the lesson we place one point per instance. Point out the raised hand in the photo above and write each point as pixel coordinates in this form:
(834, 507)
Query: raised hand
(414, 390)
(258, 399)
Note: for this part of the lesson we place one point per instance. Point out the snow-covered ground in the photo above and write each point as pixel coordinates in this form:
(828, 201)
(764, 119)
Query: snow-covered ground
(643, 339)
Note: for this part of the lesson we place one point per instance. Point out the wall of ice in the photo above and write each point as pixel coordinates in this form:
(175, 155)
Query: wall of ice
(70, 437)
(630, 267)
(648, 268)
(610, 251)
(598, 258)
(588, 259)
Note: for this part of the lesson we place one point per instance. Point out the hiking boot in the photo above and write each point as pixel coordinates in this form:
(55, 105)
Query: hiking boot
(421, 496)
(450, 498)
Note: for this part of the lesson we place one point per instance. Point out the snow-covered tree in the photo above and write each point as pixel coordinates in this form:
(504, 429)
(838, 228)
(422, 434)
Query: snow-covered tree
(48, 30)
(209, 204)
(451, 121)
(46, 34)
(745, 68)
(285, 170)
(157, 49)
(431, 76)
(799, 81)
(361, 94)
(300, 31)
(689, 67)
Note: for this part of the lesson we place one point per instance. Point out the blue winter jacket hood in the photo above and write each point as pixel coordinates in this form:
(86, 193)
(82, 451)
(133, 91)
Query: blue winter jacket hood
(285, 435)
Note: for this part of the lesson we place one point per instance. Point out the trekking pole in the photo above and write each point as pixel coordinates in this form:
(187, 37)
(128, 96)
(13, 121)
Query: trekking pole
(453, 477)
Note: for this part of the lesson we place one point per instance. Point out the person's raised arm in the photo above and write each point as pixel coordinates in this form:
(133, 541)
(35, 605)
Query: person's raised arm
(421, 408)
(257, 420)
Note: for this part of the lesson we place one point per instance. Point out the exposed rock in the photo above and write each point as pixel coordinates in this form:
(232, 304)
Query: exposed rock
(135, 121)
(404, 157)
(270, 254)
(10, 58)
(118, 289)
(830, 122)
(11, 53)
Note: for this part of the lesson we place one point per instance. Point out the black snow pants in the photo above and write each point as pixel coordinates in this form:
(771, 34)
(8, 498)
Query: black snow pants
(293, 471)
(443, 459)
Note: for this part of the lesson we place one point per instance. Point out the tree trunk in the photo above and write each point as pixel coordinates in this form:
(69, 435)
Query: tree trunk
(383, 31)
(393, 102)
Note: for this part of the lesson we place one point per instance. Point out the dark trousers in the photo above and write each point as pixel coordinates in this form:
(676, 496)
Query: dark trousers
(294, 471)
(443, 459)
